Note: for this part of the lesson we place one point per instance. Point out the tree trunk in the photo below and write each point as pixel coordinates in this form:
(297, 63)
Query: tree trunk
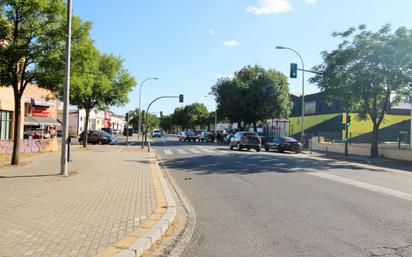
(16, 140)
(254, 127)
(239, 126)
(86, 128)
(374, 144)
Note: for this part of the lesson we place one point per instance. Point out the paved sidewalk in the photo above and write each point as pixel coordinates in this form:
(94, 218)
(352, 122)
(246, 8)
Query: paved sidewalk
(109, 194)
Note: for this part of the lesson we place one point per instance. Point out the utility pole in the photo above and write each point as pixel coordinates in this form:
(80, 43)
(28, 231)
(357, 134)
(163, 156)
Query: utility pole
(410, 132)
(139, 127)
(302, 132)
(346, 133)
(66, 96)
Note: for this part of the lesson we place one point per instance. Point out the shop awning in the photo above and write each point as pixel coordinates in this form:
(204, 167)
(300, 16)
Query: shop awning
(40, 102)
(39, 121)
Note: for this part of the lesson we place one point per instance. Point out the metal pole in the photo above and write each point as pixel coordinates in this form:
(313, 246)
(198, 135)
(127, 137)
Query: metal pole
(410, 132)
(216, 125)
(302, 132)
(139, 128)
(66, 96)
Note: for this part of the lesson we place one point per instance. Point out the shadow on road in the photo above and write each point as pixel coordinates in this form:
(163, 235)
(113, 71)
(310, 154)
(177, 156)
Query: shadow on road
(251, 164)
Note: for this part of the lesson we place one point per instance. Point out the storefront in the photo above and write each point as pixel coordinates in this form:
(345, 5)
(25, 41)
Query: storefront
(37, 120)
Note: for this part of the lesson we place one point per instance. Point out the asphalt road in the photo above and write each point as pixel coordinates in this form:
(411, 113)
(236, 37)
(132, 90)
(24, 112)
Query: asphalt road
(270, 204)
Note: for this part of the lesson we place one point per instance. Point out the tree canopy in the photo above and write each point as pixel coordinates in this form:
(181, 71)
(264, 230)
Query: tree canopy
(365, 70)
(253, 95)
(32, 37)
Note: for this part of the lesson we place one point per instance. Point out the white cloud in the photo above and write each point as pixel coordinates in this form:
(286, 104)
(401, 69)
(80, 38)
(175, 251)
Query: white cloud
(211, 32)
(265, 7)
(311, 1)
(231, 43)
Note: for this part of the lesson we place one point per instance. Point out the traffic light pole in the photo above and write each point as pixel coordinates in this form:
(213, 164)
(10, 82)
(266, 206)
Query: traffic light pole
(144, 138)
(347, 133)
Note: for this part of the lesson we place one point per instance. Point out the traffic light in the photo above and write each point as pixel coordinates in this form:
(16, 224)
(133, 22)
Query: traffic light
(127, 116)
(180, 98)
(293, 70)
(348, 120)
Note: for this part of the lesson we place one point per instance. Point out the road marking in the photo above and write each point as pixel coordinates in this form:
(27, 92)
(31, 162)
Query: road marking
(181, 151)
(208, 151)
(168, 152)
(194, 151)
(363, 185)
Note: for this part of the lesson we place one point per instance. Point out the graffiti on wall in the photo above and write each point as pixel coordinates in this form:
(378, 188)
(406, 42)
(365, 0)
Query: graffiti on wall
(26, 145)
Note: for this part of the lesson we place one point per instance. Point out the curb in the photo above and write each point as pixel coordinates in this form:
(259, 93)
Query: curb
(151, 236)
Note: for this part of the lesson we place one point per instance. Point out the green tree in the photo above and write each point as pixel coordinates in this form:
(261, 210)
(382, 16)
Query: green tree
(365, 70)
(166, 123)
(196, 115)
(32, 34)
(99, 81)
(253, 95)
(228, 96)
(179, 118)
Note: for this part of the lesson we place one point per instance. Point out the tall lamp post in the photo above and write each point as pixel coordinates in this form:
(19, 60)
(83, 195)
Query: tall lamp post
(139, 130)
(66, 96)
(215, 118)
(302, 132)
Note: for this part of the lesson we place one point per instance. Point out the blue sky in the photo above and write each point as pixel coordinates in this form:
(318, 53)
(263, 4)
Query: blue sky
(188, 44)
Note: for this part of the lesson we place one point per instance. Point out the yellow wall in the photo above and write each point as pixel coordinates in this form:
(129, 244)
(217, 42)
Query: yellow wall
(365, 126)
(309, 121)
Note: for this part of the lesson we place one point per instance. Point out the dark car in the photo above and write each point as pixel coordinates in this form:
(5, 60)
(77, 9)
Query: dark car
(245, 140)
(227, 138)
(98, 137)
(206, 136)
(190, 136)
(282, 144)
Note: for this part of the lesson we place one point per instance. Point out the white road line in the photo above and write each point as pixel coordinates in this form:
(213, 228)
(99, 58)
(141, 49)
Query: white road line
(363, 185)
(168, 152)
(181, 151)
(194, 151)
(207, 150)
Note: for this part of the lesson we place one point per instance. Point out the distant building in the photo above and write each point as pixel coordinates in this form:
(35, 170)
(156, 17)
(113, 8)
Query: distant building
(326, 120)
(38, 111)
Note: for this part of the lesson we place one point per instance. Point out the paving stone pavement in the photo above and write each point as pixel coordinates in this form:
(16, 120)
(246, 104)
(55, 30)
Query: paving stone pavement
(42, 214)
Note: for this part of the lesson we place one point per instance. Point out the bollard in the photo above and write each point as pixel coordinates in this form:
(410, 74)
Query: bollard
(148, 147)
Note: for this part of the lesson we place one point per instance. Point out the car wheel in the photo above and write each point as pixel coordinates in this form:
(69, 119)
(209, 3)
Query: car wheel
(258, 149)
(100, 142)
(280, 150)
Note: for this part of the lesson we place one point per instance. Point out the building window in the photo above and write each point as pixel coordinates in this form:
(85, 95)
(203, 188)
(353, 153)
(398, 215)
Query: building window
(5, 125)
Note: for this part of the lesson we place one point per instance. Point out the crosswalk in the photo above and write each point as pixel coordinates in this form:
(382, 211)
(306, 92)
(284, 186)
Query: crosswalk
(193, 151)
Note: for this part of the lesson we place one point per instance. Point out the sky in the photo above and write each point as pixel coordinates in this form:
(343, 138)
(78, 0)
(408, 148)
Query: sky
(189, 44)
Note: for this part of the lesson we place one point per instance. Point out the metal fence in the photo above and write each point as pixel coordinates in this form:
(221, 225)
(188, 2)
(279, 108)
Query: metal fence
(400, 140)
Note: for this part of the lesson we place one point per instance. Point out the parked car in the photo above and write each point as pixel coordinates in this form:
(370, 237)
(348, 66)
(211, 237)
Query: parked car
(181, 135)
(98, 137)
(246, 140)
(227, 138)
(282, 144)
(190, 136)
(156, 133)
(206, 136)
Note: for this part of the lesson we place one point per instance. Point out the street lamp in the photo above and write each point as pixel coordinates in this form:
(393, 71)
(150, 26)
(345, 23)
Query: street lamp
(66, 96)
(140, 111)
(302, 132)
(215, 118)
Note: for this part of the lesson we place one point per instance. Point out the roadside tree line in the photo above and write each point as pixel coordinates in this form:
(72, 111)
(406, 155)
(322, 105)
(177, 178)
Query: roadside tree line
(253, 95)
(32, 50)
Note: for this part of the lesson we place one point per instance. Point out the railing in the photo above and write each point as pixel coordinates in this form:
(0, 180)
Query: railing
(26, 145)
